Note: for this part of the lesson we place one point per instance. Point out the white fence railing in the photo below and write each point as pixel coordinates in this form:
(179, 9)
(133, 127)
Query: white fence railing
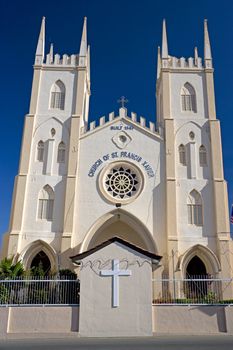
(47, 291)
(39, 292)
(193, 291)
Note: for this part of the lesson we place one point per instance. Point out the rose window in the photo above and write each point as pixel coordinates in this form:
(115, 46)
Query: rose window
(122, 182)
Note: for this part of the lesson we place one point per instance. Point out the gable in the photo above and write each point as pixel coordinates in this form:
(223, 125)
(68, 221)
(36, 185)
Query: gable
(120, 242)
(123, 123)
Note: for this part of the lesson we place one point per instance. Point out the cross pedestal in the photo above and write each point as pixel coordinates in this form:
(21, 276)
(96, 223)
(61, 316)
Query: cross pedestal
(115, 300)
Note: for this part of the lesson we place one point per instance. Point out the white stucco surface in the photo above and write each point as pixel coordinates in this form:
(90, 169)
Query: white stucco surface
(43, 319)
(133, 317)
(192, 319)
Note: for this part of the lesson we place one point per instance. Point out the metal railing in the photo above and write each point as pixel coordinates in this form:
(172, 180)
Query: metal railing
(49, 291)
(198, 291)
(34, 291)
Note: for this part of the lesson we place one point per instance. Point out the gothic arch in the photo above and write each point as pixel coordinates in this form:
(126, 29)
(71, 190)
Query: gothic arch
(57, 120)
(194, 197)
(187, 123)
(46, 192)
(188, 88)
(58, 86)
(32, 249)
(207, 256)
(119, 215)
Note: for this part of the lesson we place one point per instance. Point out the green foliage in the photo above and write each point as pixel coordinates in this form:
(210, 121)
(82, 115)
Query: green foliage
(4, 294)
(37, 295)
(8, 270)
(37, 271)
(211, 298)
(67, 274)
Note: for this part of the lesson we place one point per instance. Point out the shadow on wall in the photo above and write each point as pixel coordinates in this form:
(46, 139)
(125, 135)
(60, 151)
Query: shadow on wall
(75, 319)
(219, 312)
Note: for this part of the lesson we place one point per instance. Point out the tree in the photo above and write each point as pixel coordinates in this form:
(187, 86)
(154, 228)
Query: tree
(9, 270)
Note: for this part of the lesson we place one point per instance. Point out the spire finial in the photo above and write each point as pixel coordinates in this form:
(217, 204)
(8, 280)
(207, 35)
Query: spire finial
(158, 63)
(83, 45)
(41, 44)
(51, 53)
(164, 41)
(207, 48)
(195, 56)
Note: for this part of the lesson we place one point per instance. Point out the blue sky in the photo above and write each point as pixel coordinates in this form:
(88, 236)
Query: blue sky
(124, 36)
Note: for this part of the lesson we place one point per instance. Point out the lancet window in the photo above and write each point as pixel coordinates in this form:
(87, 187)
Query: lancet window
(57, 98)
(195, 209)
(61, 152)
(40, 151)
(46, 203)
(188, 98)
(202, 156)
(182, 154)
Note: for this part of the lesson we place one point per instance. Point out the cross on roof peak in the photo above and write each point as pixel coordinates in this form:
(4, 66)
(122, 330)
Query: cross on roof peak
(123, 101)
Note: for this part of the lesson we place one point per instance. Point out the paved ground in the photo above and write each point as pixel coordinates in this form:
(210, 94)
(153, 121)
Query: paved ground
(219, 342)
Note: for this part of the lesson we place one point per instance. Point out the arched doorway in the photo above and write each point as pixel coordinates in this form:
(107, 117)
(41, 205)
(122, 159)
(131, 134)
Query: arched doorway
(119, 229)
(40, 264)
(122, 224)
(197, 287)
(196, 268)
(39, 250)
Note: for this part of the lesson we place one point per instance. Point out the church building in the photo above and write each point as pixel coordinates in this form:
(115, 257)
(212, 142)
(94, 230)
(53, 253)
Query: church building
(158, 186)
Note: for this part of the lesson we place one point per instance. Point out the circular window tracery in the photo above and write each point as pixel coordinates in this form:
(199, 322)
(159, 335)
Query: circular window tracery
(121, 182)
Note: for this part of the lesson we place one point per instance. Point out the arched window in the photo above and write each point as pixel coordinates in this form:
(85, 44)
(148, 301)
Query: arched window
(182, 155)
(57, 98)
(195, 210)
(202, 156)
(188, 98)
(40, 151)
(61, 152)
(46, 203)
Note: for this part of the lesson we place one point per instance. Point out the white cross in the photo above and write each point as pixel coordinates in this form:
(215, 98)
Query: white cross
(115, 273)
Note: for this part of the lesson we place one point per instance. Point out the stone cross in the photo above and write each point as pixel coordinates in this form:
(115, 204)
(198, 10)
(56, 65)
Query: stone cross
(123, 100)
(115, 273)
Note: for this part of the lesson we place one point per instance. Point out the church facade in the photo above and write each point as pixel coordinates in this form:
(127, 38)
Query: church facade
(160, 187)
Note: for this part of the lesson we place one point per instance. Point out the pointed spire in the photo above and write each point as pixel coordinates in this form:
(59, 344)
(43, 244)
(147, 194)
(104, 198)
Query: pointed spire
(164, 41)
(41, 44)
(195, 56)
(158, 63)
(51, 53)
(207, 48)
(88, 63)
(83, 45)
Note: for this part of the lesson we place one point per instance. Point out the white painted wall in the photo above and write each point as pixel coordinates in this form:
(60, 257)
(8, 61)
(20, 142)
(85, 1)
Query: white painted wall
(192, 319)
(133, 316)
(90, 204)
(36, 320)
(192, 176)
(48, 78)
(49, 171)
(197, 80)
